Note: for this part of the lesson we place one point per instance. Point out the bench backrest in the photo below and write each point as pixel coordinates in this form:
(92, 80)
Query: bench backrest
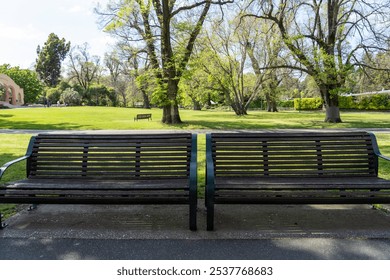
(143, 116)
(129, 156)
(292, 154)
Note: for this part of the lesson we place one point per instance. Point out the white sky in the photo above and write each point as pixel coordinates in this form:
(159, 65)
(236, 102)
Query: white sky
(25, 24)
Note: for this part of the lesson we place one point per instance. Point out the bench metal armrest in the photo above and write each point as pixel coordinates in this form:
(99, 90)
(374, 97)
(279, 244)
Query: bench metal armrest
(26, 156)
(376, 147)
(383, 157)
(8, 164)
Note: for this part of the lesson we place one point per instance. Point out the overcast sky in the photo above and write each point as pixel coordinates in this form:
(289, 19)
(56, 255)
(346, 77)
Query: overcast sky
(25, 24)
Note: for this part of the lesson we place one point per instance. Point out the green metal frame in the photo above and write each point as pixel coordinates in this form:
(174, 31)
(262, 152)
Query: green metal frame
(377, 152)
(193, 184)
(210, 182)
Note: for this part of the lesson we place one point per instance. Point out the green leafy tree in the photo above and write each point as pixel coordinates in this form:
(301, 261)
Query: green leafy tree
(53, 94)
(50, 57)
(226, 61)
(26, 79)
(100, 95)
(328, 38)
(168, 31)
(84, 68)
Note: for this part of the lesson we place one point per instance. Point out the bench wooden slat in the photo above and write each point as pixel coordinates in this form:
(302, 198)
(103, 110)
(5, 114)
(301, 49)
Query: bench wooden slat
(113, 184)
(299, 182)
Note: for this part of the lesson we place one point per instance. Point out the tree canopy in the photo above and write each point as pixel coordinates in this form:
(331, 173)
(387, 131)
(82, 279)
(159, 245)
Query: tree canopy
(167, 31)
(50, 57)
(26, 79)
(327, 38)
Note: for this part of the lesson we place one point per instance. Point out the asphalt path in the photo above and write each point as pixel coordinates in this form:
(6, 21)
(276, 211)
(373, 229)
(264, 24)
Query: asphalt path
(245, 232)
(263, 249)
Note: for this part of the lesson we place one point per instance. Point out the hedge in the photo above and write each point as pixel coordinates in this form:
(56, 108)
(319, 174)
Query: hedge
(362, 102)
(307, 103)
(365, 102)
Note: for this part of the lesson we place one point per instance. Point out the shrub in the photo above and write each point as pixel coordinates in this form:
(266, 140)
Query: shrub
(286, 103)
(53, 94)
(347, 102)
(365, 102)
(70, 97)
(308, 103)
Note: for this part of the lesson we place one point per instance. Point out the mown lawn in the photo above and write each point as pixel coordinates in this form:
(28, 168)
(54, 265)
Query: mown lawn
(95, 118)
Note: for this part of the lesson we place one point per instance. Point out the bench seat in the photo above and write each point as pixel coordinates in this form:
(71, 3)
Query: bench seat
(44, 191)
(295, 190)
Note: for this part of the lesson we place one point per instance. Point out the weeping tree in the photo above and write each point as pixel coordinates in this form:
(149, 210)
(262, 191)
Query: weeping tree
(167, 30)
(328, 38)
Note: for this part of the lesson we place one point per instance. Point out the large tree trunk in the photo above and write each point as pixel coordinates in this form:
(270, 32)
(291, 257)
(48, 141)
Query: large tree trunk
(171, 110)
(333, 114)
(145, 98)
(331, 102)
(196, 105)
(171, 114)
(239, 109)
(271, 103)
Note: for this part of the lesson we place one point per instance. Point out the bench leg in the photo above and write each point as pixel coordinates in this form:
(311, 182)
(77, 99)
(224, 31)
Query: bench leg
(210, 216)
(32, 207)
(2, 225)
(193, 210)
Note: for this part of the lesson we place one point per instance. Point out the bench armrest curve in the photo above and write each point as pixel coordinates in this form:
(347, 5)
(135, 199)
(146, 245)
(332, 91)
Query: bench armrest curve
(8, 164)
(376, 147)
(26, 156)
(383, 157)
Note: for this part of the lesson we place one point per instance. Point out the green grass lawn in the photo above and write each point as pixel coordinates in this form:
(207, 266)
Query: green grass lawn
(95, 118)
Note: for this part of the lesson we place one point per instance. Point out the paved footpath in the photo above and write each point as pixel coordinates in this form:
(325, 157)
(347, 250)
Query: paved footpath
(178, 249)
(145, 232)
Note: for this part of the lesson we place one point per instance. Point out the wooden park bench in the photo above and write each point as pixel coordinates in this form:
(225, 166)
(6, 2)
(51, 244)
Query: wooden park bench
(293, 168)
(108, 169)
(143, 117)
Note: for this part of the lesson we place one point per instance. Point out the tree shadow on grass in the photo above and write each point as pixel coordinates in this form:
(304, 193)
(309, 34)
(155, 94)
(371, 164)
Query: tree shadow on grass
(6, 124)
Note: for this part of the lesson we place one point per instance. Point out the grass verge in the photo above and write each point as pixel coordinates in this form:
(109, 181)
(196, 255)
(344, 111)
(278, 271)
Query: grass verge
(95, 118)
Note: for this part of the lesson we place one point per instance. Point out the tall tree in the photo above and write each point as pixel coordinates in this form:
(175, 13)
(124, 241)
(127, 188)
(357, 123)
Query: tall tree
(328, 38)
(50, 57)
(84, 68)
(265, 50)
(168, 30)
(227, 63)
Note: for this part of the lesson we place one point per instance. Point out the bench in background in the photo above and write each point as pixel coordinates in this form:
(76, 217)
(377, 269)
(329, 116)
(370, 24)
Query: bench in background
(143, 117)
(293, 168)
(108, 169)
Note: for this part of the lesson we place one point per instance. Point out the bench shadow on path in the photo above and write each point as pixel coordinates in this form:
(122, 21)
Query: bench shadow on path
(268, 232)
